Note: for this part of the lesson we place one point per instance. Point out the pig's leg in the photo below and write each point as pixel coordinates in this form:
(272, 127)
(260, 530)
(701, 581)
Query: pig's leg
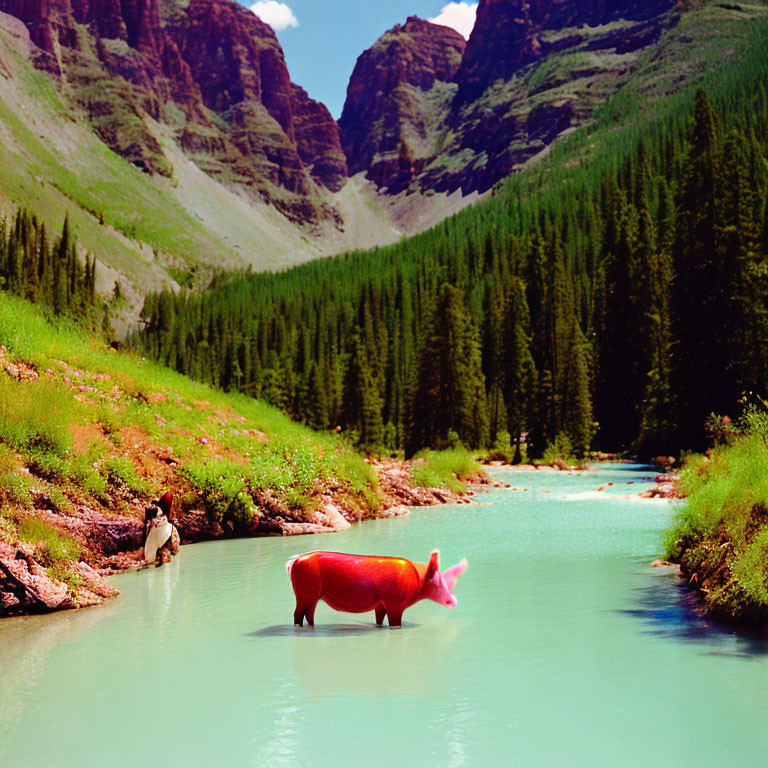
(381, 612)
(304, 610)
(307, 591)
(395, 616)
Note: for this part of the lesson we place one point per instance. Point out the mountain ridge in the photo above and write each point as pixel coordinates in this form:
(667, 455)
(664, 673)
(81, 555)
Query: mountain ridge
(172, 133)
(494, 110)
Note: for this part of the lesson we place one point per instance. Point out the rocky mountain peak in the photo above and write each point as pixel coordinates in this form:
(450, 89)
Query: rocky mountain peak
(213, 61)
(384, 121)
(509, 34)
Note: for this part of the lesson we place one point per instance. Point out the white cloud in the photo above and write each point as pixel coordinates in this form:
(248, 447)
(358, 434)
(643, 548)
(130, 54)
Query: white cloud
(279, 16)
(460, 16)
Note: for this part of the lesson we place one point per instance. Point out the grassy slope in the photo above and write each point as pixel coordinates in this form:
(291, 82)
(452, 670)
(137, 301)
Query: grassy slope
(720, 537)
(691, 53)
(86, 427)
(156, 231)
(53, 163)
(90, 434)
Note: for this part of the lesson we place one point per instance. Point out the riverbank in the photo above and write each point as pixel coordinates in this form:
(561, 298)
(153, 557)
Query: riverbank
(667, 482)
(720, 536)
(668, 486)
(89, 436)
(114, 542)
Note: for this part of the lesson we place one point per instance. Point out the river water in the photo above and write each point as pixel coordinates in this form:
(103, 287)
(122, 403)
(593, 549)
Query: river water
(566, 649)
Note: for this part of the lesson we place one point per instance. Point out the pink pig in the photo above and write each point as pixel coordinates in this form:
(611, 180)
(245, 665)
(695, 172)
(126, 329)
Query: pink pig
(360, 583)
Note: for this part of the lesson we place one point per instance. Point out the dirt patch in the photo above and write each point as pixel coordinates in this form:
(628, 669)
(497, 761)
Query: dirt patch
(154, 462)
(84, 436)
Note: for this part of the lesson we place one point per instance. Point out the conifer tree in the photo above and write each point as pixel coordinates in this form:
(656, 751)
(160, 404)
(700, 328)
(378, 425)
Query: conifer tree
(448, 389)
(361, 404)
(519, 369)
(702, 287)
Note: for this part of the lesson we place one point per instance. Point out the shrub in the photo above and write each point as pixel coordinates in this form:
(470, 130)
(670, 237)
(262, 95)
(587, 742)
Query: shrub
(449, 469)
(120, 470)
(561, 450)
(53, 547)
(218, 484)
(721, 534)
(239, 515)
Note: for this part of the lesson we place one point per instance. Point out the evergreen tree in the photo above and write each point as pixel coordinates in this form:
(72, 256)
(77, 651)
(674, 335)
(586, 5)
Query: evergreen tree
(702, 287)
(519, 369)
(448, 391)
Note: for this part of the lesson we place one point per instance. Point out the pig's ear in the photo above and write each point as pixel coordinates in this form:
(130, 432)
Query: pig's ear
(434, 565)
(452, 574)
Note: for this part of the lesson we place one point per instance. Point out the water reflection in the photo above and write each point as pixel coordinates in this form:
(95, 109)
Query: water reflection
(157, 588)
(404, 661)
(21, 674)
(670, 609)
(323, 630)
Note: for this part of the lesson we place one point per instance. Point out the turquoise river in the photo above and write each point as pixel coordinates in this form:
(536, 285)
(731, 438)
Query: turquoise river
(566, 649)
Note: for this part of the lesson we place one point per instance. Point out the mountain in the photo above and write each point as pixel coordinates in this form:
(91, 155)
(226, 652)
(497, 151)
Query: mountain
(529, 73)
(609, 296)
(171, 134)
(394, 97)
(510, 34)
(210, 70)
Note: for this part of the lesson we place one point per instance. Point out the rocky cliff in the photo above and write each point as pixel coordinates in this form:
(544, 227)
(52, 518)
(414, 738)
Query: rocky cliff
(394, 100)
(426, 111)
(210, 71)
(510, 34)
(318, 140)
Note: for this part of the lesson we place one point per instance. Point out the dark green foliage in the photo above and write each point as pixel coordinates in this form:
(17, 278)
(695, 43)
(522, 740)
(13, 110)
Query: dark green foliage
(517, 369)
(47, 272)
(624, 292)
(361, 404)
(448, 393)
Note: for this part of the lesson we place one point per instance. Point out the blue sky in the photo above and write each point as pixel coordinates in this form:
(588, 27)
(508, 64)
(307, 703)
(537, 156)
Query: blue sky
(322, 40)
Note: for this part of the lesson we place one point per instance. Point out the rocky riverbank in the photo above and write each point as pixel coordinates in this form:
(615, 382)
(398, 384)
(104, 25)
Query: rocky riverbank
(113, 543)
(667, 487)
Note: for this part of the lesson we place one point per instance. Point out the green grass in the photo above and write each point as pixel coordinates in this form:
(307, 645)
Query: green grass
(560, 454)
(35, 416)
(35, 419)
(120, 470)
(95, 179)
(54, 547)
(720, 536)
(445, 469)
(15, 489)
(94, 427)
(218, 483)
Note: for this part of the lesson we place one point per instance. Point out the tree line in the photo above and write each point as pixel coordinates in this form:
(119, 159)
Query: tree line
(47, 270)
(612, 307)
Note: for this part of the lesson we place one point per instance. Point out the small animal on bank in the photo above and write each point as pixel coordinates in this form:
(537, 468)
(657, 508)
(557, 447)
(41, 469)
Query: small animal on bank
(161, 538)
(360, 583)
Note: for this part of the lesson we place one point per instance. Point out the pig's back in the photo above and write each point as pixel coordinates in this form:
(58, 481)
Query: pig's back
(358, 583)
